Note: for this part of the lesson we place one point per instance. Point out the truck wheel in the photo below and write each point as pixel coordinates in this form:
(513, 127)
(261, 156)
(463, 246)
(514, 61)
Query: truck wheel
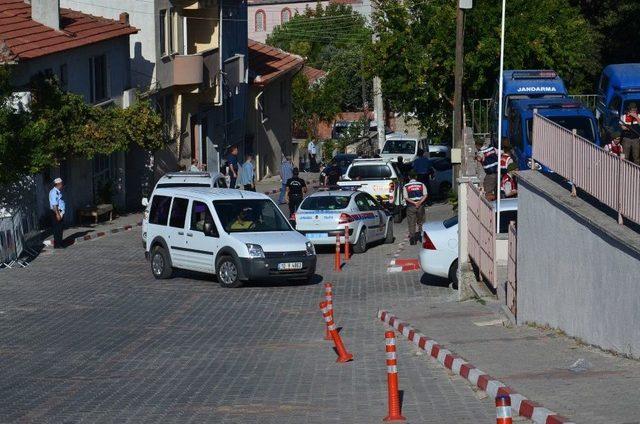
(161, 263)
(389, 237)
(361, 243)
(227, 272)
(398, 215)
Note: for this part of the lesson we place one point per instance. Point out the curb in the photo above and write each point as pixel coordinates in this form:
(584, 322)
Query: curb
(520, 404)
(94, 236)
(402, 265)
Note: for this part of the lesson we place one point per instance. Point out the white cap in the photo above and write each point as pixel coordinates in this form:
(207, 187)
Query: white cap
(57, 181)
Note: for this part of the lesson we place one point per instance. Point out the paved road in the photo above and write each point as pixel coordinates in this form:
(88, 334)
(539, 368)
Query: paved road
(87, 335)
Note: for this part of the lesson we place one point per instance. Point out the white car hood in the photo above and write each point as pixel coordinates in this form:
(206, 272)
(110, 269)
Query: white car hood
(275, 241)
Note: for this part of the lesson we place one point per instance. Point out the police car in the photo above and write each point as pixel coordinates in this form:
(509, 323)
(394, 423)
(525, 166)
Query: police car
(325, 214)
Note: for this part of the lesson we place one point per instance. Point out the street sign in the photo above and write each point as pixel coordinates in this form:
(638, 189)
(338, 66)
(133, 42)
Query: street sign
(465, 4)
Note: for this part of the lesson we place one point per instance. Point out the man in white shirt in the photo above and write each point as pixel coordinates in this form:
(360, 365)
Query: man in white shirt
(57, 205)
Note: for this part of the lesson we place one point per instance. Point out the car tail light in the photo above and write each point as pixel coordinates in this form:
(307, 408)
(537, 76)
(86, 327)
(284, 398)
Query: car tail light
(392, 187)
(427, 243)
(345, 218)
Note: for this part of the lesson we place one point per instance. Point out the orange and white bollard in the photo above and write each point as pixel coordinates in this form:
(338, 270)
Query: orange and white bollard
(328, 297)
(338, 260)
(392, 378)
(347, 253)
(343, 355)
(503, 409)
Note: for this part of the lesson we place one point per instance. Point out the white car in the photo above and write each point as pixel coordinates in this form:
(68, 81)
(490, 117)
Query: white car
(183, 179)
(325, 214)
(400, 144)
(381, 179)
(237, 235)
(439, 251)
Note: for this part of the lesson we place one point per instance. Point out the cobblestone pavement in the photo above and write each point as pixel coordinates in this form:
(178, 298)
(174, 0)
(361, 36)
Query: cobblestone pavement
(87, 335)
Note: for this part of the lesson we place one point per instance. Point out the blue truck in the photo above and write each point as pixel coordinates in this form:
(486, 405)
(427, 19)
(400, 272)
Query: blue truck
(619, 86)
(568, 113)
(524, 84)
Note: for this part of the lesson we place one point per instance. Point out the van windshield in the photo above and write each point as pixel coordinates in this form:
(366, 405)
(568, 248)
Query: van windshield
(250, 215)
(582, 124)
(400, 146)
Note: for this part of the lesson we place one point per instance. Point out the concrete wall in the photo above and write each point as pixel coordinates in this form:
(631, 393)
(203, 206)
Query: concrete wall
(142, 15)
(578, 270)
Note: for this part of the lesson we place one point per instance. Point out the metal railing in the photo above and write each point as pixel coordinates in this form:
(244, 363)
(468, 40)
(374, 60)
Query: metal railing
(16, 231)
(512, 276)
(589, 100)
(482, 233)
(610, 179)
(480, 117)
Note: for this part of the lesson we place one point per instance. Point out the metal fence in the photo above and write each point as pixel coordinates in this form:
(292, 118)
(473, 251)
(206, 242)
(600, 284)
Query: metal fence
(480, 117)
(16, 231)
(610, 179)
(482, 234)
(589, 100)
(512, 263)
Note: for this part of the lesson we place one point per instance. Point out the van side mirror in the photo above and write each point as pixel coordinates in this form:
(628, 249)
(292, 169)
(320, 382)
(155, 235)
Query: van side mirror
(145, 202)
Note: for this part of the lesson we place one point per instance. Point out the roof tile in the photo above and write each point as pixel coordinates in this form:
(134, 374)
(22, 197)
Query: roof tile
(268, 63)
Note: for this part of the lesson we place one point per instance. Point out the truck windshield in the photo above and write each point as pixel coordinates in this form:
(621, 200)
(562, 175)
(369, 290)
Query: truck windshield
(582, 124)
(250, 215)
(510, 99)
(400, 146)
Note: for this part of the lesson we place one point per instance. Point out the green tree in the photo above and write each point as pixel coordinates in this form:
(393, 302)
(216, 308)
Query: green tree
(334, 39)
(315, 103)
(415, 53)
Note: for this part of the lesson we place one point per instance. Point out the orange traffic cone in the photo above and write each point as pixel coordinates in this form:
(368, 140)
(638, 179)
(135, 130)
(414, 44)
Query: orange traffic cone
(392, 378)
(347, 253)
(338, 260)
(343, 355)
(328, 297)
(503, 409)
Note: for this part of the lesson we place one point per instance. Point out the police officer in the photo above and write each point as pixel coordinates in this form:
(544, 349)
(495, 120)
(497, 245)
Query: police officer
(488, 157)
(614, 147)
(296, 189)
(415, 194)
(57, 205)
(630, 125)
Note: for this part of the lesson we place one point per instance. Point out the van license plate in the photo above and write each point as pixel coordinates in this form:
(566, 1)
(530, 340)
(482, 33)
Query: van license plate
(317, 235)
(289, 266)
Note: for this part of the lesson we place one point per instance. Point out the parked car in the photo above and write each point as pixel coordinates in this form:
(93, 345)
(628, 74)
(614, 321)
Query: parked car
(182, 179)
(400, 144)
(439, 151)
(325, 214)
(439, 252)
(381, 179)
(443, 178)
(237, 235)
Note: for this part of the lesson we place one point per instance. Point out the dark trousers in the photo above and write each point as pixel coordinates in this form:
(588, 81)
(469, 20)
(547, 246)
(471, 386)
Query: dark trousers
(249, 187)
(232, 182)
(313, 165)
(56, 229)
(631, 148)
(294, 202)
(415, 218)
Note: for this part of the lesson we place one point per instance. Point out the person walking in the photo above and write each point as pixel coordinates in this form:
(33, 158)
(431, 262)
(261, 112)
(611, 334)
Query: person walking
(311, 148)
(57, 206)
(296, 189)
(630, 125)
(232, 165)
(614, 147)
(488, 157)
(415, 194)
(247, 174)
(286, 172)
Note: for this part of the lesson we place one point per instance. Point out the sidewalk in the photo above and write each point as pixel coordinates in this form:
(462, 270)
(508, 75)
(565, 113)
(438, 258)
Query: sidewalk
(533, 362)
(85, 231)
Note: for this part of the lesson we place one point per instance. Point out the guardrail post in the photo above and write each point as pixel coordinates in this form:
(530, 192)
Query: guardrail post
(574, 140)
(619, 191)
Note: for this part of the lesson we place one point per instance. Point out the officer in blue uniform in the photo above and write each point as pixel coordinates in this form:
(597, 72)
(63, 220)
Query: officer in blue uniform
(415, 194)
(57, 205)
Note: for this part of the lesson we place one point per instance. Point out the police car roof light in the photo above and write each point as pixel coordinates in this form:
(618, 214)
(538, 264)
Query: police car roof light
(546, 74)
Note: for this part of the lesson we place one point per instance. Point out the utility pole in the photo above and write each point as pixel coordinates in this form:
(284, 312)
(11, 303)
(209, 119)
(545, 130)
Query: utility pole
(378, 103)
(457, 94)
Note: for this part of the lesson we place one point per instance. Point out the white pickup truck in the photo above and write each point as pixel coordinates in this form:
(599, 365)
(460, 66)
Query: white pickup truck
(381, 179)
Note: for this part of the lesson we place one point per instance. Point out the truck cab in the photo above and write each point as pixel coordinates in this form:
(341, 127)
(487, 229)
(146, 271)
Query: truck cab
(570, 114)
(524, 84)
(619, 86)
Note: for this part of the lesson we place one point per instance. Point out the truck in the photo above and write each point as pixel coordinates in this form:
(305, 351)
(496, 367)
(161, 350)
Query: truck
(570, 114)
(619, 86)
(524, 84)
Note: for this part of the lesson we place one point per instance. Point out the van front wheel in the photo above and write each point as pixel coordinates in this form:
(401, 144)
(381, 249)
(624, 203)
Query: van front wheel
(227, 272)
(161, 263)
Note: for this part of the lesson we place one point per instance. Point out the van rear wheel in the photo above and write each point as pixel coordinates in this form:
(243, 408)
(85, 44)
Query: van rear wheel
(227, 272)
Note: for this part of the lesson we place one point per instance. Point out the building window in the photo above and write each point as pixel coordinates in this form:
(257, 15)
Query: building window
(261, 21)
(64, 77)
(98, 79)
(162, 23)
(285, 15)
(172, 25)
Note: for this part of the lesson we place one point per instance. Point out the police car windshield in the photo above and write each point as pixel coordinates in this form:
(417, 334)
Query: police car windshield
(250, 215)
(582, 124)
(399, 146)
(327, 203)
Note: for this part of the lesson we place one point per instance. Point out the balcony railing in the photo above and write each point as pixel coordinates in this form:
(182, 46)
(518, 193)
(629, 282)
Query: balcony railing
(200, 69)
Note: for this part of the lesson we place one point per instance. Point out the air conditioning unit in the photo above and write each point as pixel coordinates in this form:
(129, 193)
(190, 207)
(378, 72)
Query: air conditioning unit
(128, 97)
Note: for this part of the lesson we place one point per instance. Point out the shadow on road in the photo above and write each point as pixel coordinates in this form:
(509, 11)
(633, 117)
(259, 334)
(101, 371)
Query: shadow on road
(434, 281)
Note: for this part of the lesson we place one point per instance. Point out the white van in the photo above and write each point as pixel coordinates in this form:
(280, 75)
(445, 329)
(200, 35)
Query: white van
(237, 235)
(400, 144)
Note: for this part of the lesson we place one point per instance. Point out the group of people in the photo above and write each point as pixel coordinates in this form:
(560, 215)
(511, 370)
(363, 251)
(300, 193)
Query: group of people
(491, 158)
(626, 143)
(239, 175)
